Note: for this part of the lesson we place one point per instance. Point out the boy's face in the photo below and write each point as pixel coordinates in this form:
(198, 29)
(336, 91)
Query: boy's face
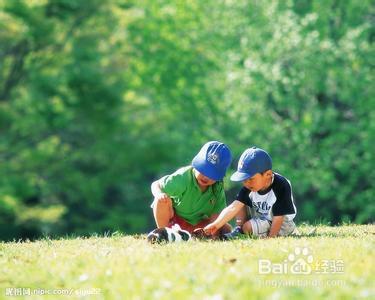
(203, 181)
(259, 181)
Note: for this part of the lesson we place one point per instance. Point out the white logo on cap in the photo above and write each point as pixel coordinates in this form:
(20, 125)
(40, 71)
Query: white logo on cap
(213, 158)
(240, 164)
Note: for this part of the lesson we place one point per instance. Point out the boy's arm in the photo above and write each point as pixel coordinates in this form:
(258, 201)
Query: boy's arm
(226, 214)
(277, 221)
(158, 193)
(282, 207)
(169, 186)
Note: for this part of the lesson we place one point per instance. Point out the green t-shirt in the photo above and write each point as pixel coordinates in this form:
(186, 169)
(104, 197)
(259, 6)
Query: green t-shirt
(189, 202)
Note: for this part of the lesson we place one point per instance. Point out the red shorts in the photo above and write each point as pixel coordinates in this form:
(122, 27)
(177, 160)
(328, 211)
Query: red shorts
(187, 226)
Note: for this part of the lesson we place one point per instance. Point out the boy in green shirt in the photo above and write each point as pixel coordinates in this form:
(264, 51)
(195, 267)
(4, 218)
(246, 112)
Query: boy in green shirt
(193, 196)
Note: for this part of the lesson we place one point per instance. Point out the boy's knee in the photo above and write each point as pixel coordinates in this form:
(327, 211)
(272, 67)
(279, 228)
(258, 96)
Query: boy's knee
(163, 211)
(247, 228)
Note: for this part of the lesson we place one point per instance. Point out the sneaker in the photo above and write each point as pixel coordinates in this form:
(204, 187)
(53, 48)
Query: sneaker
(235, 233)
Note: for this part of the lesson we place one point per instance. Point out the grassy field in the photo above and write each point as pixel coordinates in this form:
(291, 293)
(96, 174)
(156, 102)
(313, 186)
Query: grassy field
(332, 263)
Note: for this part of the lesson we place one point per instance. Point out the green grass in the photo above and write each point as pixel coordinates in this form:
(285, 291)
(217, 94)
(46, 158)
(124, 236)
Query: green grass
(127, 267)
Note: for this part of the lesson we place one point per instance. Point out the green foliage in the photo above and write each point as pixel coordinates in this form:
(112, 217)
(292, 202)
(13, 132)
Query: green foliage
(99, 98)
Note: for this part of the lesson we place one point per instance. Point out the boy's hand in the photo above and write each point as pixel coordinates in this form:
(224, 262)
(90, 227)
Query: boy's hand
(277, 221)
(210, 229)
(162, 198)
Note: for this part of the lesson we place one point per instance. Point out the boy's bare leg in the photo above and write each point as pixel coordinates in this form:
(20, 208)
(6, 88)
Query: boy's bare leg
(242, 216)
(163, 212)
(246, 228)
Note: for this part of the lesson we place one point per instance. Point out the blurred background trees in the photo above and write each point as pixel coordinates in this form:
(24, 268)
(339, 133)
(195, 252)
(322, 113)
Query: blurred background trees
(100, 98)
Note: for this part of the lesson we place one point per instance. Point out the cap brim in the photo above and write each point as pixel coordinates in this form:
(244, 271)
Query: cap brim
(207, 170)
(239, 176)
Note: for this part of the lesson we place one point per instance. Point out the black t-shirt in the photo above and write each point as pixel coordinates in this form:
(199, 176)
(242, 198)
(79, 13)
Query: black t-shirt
(277, 200)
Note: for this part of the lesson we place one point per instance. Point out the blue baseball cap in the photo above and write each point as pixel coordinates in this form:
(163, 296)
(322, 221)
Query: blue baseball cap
(253, 160)
(213, 160)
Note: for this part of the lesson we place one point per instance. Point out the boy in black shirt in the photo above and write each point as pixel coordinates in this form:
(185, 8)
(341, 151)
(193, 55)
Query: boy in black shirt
(268, 194)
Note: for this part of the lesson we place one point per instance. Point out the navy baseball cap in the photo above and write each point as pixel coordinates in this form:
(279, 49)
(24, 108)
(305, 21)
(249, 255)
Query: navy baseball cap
(213, 160)
(253, 160)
